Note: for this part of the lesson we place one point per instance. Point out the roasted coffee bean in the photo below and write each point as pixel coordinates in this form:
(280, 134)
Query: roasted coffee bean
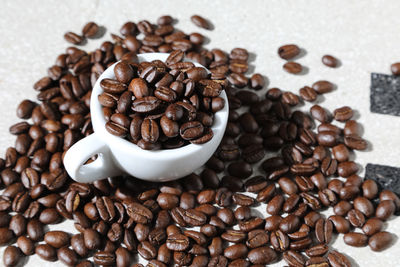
(90, 29)
(395, 68)
(191, 130)
(355, 142)
(67, 256)
(262, 255)
(240, 169)
(380, 241)
(308, 94)
(355, 239)
(57, 239)
(343, 114)
(25, 108)
(337, 259)
(323, 231)
(6, 235)
(372, 226)
(236, 251)
(257, 81)
(294, 258)
(46, 252)
(78, 245)
(138, 212)
(385, 209)
(145, 104)
(289, 224)
(293, 67)
(323, 87)
(279, 241)
(356, 218)
(26, 245)
(364, 205)
(330, 61)
(369, 189)
(288, 51)
(18, 224)
(177, 242)
(340, 223)
(341, 153)
(200, 22)
(389, 195)
(104, 258)
(91, 239)
(73, 38)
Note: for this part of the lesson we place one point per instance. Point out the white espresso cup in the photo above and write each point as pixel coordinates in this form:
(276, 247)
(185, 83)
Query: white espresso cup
(117, 156)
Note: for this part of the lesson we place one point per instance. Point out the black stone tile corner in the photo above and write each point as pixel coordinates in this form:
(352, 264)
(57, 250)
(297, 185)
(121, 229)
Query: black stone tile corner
(385, 94)
(386, 176)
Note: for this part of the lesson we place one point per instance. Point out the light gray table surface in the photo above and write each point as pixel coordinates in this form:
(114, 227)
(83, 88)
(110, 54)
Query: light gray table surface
(364, 35)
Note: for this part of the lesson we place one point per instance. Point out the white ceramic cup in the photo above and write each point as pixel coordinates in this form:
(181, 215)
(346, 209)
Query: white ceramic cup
(117, 156)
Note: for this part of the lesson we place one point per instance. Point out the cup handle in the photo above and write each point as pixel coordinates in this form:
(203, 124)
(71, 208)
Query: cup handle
(84, 149)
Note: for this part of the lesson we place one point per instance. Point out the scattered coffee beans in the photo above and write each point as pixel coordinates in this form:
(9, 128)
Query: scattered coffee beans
(165, 105)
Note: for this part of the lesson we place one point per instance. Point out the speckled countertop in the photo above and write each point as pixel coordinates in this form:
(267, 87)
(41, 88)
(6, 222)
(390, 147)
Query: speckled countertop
(364, 35)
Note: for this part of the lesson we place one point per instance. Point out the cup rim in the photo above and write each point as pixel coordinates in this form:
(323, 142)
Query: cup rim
(98, 121)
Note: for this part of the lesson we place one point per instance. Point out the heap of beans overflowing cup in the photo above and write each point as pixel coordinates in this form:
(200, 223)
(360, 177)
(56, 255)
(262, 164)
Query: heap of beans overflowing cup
(173, 102)
(258, 199)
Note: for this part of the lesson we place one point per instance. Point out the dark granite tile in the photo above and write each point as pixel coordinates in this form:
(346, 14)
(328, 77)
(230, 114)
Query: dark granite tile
(387, 177)
(385, 94)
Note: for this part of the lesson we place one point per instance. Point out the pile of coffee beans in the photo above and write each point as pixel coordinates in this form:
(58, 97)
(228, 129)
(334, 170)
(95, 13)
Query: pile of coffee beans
(161, 104)
(211, 217)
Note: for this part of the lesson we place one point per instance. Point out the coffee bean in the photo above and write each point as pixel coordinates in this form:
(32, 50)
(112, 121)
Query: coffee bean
(6, 235)
(90, 29)
(289, 224)
(356, 218)
(91, 239)
(104, 258)
(26, 245)
(146, 104)
(18, 224)
(294, 258)
(355, 239)
(389, 195)
(293, 67)
(12, 255)
(385, 209)
(262, 255)
(177, 242)
(395, 68)
(369, 189)
(67, 256)
(236, 251)
(308, 94)
(73, 38)
(364, 205)
(330, 61)
(343, 114)
(323, 230)
(323, 87)
(46, 252)
(57, 239)
(200, 22)
(191, 130)
(355, 142)
(341, 224)
(372, 226)
(288, 51)
(380, 241)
